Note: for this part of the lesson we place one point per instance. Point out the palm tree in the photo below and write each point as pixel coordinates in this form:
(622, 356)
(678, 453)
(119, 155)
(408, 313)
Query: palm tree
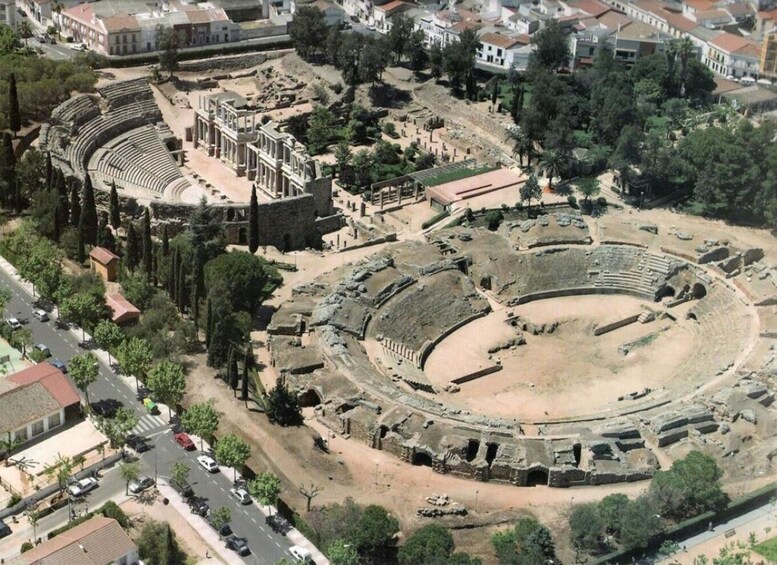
(60, 469)
(25, 30)
(8, 445)
(552, 162)
(58, 7)
(523, 145)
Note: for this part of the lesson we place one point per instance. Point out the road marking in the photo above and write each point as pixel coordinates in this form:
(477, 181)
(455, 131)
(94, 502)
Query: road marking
(269, 536)
(279, 545)
(254, 520)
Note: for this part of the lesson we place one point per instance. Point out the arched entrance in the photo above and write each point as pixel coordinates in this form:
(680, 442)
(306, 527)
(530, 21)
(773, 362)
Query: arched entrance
(242, 238)
(309, 398)
(422, 459)
(699, 291)
(537, 477)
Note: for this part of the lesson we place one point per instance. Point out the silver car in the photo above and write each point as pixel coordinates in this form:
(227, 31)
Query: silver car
(140, 484)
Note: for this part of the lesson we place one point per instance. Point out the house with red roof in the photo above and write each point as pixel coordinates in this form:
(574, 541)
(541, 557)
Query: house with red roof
(105, 263)
(35, 401)
(123, 312)
(732, 55)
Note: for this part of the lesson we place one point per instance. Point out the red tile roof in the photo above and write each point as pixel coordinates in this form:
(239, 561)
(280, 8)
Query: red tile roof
(102, 255)
(52, 379)
(123, 310)
(731, 43)
(700, 5)
(499, 40)
(394, 6)
(591, 7)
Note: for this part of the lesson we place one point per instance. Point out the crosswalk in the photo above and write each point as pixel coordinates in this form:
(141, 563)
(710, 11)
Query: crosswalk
(148, 423)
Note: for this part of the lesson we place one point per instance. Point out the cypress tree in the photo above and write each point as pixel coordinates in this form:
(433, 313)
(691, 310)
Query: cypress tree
(182, 286)
(89, 212)
(253, 223)
(57, 223)
(148, 245)
(155, 265)
(132, 256)
(248, 362)
(64, 203)
(171, 273)
(232, 371)
(199, 268)
(515, 105)
(75, 205)
(81, 245)
(217, 350)
(208, 322)
(174, 275)
(9, 157)
(101, 228)
(15, 189)
(196, 304)
(114, 208)
(495, 91)
(14, 116)
(49, 171)
(165, 242)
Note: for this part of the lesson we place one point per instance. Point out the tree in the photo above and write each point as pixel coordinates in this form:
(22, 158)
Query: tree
(528, 542)
(265, 488)
(375, 533)
(639, 523)
(219, 346)
(248, 361)
(219, 517)
(60, 469)
(374, 59)
(310, 492)
(553, 164)
(343, 156)
(33, 516)
(117, 429)
(253, 222)
(201, 420)
(244, 276)
(283, 406)
(168, 41)
(21, 340)
(115, 209)
(9, 40)
(129, 472)
(589, 187)
(88, 220)
(399, 36)
(75, 205)
(308, 31)
(132, 253)
(611, 509)
(157, 545)
(586, 527)
(148, 244)
(179, 473)
(690, 487)
(5, 298)
(108, 336)
(339, 552)
(14, 115)
(83, 371)
(25, 32)
(432, 543)
(85, 309)
(494, 91)
(459, 58)
(363, 164)
(232, 451)
(552, 49)
(436, 62)
(167, 380)
(208, 323)
(530, 190)
(232, 375)
(321, 125)
(416, 51)
(135, 357)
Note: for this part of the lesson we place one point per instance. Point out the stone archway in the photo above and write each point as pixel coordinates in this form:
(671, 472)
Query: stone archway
(698, 290)
(422, 459)
(537, 477)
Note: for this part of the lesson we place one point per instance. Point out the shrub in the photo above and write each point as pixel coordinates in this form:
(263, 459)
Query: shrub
(26, 546)
(572, 201)
(601, 202)
(434, 219)
(111, 510)
(519, 206)
(493, 219)
(337, 88)
(14, 500)
(390, 129)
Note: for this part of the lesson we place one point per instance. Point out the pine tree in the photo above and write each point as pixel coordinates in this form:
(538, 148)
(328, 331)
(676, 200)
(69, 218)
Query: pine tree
(75, 205)
(148, 245)
(208, 323)
(14, 115)
(89, 212)
(132, 256)
(253, 223)
(114, 208)
(232, 371)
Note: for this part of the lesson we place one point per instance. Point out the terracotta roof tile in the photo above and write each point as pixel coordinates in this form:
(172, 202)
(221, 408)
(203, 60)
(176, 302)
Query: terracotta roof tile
(102, 255)
(123, 310)
(591, 7)
(499, 40)
(730, 43)
(52, 379)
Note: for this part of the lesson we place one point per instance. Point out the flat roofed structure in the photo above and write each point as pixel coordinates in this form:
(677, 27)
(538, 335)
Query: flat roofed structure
(444, 195)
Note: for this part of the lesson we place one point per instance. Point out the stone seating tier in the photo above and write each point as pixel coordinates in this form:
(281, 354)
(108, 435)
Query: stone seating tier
(125, 92)
(77, 110)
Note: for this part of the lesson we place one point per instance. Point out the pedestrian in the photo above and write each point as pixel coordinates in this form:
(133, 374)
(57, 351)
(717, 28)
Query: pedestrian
(207, 554)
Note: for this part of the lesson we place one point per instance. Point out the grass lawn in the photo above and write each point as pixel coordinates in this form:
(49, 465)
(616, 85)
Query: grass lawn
(459, 174)
(768, 549)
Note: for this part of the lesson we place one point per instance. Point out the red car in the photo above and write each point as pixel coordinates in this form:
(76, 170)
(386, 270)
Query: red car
(184, 441)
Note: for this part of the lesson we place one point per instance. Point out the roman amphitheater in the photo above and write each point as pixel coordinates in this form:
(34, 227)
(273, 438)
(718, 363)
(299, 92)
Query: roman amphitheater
(561, 351)
(119, 137)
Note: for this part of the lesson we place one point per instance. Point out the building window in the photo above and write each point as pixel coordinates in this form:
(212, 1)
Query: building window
(21, 435)
(37, 428)
(55, 420)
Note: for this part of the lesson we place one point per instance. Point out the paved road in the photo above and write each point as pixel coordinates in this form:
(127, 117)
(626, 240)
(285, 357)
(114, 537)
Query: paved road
(247, 521)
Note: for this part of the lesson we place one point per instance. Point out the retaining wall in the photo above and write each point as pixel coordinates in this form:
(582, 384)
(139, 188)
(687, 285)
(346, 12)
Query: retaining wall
(601, 330)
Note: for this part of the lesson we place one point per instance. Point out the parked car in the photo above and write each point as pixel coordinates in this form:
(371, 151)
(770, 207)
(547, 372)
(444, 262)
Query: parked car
(198, 505)
(238, 545)
(43, 349)
(208, 463)
(80, 488)
(14, 323)
(106, 408)
(137, 443)
(184, 441)
(184, 489)
(300, 554)
(140, 484)
(5, 529)
(41, 315)
(241, 495)
(225, 529)
(58, 364)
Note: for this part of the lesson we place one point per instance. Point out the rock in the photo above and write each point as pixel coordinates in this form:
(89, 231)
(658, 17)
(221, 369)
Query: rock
(748, 415)
(753, 255)
(650, 228)
(683, 236)
(724, 428)
(465, 236)
(714, 254)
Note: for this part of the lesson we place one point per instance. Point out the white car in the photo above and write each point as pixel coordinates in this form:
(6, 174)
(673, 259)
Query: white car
(300, 554)
(80, 488)
(14, 323)
(41, 315)
(208, 463)
(140, 484)
(241, 495)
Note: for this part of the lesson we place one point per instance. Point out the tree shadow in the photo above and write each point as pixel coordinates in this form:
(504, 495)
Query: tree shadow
(388, 96)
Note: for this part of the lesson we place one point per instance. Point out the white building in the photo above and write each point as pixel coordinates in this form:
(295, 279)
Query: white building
(498, 52)
(8, 13)
(732, 55)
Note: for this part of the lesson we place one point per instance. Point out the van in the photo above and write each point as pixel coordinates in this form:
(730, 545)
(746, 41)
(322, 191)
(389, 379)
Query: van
(747, 80)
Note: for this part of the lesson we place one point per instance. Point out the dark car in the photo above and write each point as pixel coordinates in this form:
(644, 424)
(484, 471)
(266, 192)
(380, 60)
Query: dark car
(58, 364)
(137, 443)
(198, 506)
(106, 408)
(225, 529)
(184, 489)
(238, 545)
(5, 529)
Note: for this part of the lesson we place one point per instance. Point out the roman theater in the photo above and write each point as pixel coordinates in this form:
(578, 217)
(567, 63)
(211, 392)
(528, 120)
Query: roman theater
(519, 357)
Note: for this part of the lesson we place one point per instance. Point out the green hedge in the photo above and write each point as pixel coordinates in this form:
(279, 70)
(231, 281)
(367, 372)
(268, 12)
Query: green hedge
(434, 219)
